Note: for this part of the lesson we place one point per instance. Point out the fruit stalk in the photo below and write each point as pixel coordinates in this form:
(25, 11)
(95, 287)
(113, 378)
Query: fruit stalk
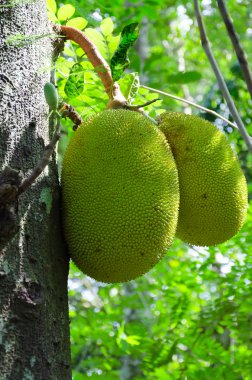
(99, 63)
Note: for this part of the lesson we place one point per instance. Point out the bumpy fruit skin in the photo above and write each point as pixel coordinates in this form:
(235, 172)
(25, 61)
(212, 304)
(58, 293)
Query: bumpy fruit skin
(213, 191)
(120, 196)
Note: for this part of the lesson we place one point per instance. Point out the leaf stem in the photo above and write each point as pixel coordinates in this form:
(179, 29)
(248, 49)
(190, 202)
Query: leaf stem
(191, 103)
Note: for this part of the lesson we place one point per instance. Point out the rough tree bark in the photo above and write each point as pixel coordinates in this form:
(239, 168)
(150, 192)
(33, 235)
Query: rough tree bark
(34, 324)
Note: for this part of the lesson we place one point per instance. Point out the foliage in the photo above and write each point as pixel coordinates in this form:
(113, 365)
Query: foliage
(190, 317)
(119, 61)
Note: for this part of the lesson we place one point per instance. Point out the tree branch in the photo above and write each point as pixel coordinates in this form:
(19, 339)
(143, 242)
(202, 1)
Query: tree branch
(236, 44)
(220, 79)
(101, 66)
(44, 161)
(191, 104)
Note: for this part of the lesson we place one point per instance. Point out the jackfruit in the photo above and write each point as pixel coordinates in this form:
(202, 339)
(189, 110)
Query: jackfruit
(120, 196)
(213, 191)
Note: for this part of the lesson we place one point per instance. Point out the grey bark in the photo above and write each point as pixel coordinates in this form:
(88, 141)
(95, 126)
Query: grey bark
(34, 324)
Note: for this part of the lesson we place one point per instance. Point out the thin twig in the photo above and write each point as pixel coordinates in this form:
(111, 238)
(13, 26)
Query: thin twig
(220, 79)
(236, 44)
(142, 105)
(101, 66)
(191, 104)
(44, 161)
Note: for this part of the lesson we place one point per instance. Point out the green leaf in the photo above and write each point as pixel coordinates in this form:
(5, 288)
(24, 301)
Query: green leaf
(133, 340)
(75, 82)
(98, 39)
(51, 5)
(51, 16)
(119, 61)
(107, 26)
(129, 86)
(69, 51)
(186, 77)
(65, 12)
(113, 42)
(79, 52)
(77, 22)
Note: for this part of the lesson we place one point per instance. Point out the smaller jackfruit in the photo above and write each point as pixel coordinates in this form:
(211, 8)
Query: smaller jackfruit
(213, 191)
(120, 196)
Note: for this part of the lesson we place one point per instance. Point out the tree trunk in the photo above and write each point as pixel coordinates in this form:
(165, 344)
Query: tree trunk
(34, 324)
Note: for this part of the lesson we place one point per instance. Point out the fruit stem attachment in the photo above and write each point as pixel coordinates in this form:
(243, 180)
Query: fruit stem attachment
(99, 63)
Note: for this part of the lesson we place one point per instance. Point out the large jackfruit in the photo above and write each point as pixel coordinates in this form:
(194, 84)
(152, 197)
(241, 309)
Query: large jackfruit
(120, 196)
(213, 191)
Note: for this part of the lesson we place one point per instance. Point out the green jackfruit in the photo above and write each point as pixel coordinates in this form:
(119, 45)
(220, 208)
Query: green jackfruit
(213, 191)
(120, 196)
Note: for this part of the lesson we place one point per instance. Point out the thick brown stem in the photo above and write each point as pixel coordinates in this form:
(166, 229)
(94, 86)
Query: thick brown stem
(101, 66)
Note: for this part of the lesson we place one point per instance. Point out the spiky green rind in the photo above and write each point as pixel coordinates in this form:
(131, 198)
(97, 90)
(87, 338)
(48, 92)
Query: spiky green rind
(120, 196)
(213, 190)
